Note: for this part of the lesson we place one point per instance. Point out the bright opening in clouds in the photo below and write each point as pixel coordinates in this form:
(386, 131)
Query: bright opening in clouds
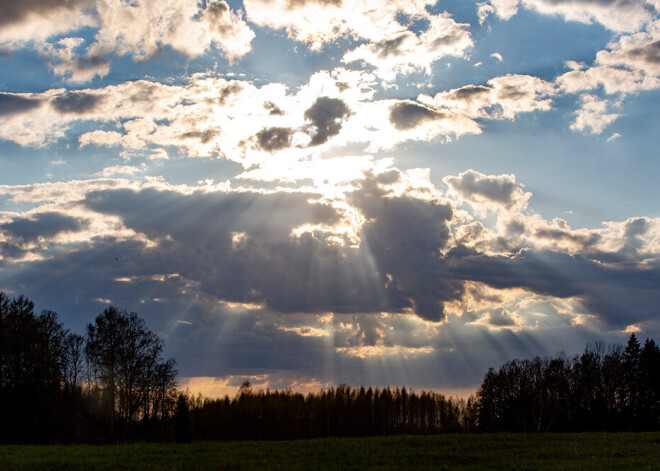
(312, 192)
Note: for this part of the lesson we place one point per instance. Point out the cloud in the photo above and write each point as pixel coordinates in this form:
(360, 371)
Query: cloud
(637, 52)
(100, 138)
(500, 318)
(408, 52)
(40, 225)
(613, 80)
(139, 28)
(66, 63)
(326, 115)
(502, 98)
(616, 15)
(229, 262)
(13, 103)
(593, 114)
(394, 45)
(271, 139)
(76, 102)
(498, 191)
(407, 115)
(119, 170)
(210, 116)
(40, 19)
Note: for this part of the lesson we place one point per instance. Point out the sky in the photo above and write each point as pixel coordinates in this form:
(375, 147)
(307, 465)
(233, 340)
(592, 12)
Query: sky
(304, 193)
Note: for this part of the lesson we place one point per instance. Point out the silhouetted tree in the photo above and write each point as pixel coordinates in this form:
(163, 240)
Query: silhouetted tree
(126, 358)
(182, 430)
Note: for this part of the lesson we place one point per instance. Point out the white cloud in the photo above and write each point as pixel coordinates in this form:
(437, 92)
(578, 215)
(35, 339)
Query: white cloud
(140, 28)
(593, 114)
(120, 170)
(503, 98)
(616, 15)
(100, 138)
(393, 46)
(639, 51)
(65, 62)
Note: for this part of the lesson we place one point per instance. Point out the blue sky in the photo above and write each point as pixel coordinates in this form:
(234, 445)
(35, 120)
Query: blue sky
(311, 192)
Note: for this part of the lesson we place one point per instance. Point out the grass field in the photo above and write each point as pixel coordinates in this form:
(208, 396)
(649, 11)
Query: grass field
(451, 452)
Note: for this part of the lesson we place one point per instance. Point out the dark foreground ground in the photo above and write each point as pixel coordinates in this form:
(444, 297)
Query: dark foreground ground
(454, 452)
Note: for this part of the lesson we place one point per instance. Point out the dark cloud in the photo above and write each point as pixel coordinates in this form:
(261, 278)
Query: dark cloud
(90, 63)
(144, 91)
(405, 236)
(216, 10)
(500, 318)
(512, 92)
(41, 225)
(13, 104)
(633, 229)
(76, 102)
(389, 47)
(274, 109)
(469, 92)
(204, 136)
(620, 296)
(12, 12)
(408, 115)
(231, 89)
(326, 115)
(449, 38)
(272, 139)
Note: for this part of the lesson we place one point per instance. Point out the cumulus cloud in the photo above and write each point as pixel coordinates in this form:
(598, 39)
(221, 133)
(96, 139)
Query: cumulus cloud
(498, 191)
(502, 98)
(212, 116)
(393, 44)
(139, 29)
(638, 52)
(230, 248)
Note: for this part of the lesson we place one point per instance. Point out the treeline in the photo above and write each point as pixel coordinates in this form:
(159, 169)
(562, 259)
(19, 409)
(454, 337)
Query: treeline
(112, 384)
(337, 412)
(56, 386)
(617, 390)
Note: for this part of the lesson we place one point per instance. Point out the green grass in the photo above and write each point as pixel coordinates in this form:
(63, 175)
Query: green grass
(451, 452)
